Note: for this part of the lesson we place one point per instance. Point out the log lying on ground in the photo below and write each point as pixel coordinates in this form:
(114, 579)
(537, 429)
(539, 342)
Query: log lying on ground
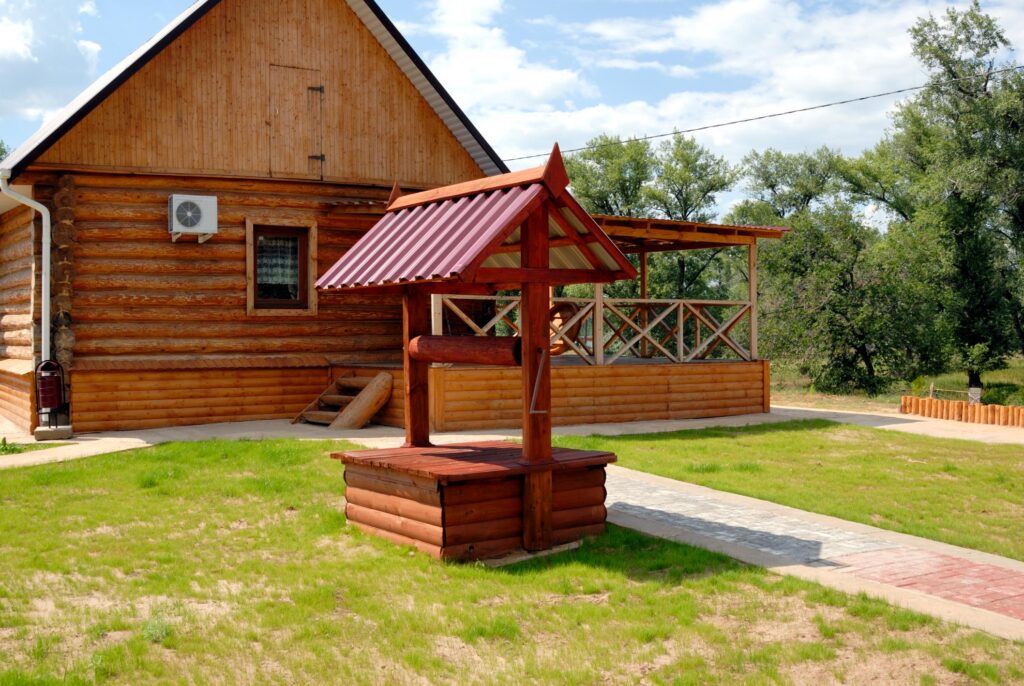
(369, 402)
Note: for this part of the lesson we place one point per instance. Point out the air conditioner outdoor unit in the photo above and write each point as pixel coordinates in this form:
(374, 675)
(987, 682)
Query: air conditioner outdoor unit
(192, 215)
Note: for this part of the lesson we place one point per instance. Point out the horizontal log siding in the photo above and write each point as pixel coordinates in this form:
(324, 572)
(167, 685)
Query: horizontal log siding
(16, 262)
(109, 401)
(468, 520)
(142, 304)
(463, 399)
(17, 400)
(470, 399)
(138, 295)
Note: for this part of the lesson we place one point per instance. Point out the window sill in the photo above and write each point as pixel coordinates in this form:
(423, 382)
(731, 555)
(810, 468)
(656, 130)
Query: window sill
(275, 312)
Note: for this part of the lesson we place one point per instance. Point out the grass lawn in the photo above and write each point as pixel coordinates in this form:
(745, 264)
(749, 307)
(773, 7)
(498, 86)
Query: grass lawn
(19, 448)
(961, 492)
(231, 563)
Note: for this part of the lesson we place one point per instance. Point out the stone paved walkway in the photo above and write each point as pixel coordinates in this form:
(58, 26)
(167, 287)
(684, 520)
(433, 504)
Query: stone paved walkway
(966, 586)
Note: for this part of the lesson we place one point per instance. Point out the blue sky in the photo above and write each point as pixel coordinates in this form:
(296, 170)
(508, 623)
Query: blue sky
(530, 72)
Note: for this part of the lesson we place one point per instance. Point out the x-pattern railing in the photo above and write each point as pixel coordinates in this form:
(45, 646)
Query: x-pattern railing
(676, 330)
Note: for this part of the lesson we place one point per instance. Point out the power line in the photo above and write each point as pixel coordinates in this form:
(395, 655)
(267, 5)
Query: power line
(774, 115)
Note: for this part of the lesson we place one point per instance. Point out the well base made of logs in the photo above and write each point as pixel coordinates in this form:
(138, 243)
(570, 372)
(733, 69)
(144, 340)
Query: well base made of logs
(465, 502)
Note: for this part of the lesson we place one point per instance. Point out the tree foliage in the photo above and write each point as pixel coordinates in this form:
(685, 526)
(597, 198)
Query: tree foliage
(833, 293)
(680, 179)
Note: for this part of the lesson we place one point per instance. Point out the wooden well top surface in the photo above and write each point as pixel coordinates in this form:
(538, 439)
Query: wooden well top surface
(470, 461)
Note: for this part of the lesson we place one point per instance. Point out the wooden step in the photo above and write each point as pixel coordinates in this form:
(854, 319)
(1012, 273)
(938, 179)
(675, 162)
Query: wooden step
(356, 382)
(315, 417)
(337, 400)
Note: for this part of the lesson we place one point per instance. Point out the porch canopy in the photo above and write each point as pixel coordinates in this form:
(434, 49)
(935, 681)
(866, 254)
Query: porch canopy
(634, 235)
(469, 237)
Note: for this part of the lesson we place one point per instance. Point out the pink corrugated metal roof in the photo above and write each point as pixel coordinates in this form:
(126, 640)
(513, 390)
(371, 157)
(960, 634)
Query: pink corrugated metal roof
(433, 241)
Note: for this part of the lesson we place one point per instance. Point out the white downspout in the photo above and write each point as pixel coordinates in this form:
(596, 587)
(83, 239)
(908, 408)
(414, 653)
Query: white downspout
(5, 189)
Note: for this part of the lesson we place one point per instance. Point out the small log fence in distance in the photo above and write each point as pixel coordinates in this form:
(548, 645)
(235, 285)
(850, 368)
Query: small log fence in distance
(961, 411)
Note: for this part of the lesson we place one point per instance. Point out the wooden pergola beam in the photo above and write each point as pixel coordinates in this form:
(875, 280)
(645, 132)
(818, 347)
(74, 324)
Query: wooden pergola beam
(714, 239)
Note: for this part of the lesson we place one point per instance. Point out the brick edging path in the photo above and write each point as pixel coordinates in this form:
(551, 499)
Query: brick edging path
(965, 586)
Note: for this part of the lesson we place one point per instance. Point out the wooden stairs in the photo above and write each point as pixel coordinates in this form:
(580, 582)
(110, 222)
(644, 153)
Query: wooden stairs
(350, 402)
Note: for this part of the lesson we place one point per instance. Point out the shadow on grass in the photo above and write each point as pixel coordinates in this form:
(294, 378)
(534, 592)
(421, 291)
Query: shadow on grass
(715, 432)
(636, 556)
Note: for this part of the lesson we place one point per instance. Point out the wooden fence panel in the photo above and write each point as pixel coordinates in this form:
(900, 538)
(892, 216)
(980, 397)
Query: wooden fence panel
(960, 411)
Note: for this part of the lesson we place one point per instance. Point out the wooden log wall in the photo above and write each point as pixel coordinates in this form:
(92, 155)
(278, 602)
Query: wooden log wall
(17, 331)
(471, 520)
(138, 297)
(464, 399)
(119, 400)
(16, 266)
(17, 398)
(128, 300)
(63, 270)
(961, 411)
(467, 399)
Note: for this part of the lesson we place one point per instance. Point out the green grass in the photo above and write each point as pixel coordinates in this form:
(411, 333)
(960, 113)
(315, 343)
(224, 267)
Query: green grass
(231, 563)
(965, 493)
(19, 448)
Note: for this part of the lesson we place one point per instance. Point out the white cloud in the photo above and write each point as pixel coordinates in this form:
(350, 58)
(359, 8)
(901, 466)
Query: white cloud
(485, 70)
(781, 55)
(52, 60)
(15, 39)
(627, 64)
(91, 52)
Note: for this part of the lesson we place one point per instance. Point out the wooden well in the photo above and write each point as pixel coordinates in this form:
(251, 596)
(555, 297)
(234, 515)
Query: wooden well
(520, 231)
(465, 502)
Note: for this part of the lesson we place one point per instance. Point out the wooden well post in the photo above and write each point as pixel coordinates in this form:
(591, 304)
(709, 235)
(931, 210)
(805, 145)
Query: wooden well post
(537, 495)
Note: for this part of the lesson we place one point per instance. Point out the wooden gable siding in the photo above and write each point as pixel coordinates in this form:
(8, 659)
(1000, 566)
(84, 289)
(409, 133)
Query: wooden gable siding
(205, 104)
(136, 295)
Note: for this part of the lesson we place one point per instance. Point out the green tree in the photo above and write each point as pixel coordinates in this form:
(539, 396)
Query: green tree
(835, 295)
(680, 180)
(836, 302)
(688, 180)
(3, 150)
(790, 183)
(613, 176)
(950, 168)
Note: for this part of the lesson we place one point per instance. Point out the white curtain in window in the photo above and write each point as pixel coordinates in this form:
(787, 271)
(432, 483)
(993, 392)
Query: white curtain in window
(278, 261)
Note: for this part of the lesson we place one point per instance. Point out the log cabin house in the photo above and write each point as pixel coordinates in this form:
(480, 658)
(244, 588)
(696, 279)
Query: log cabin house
(187, 202)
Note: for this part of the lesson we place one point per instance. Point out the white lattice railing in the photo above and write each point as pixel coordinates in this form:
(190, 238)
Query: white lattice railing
(677, 331)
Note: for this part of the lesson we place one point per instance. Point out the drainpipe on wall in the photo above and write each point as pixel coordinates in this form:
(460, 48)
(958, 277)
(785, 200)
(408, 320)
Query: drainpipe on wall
(5, 189)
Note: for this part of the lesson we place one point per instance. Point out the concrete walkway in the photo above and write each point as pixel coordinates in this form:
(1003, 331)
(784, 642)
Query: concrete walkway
(382, 437)
(960, 585)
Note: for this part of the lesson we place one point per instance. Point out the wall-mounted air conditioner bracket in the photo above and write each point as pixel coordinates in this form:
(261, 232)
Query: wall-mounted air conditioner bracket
(203, 237)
